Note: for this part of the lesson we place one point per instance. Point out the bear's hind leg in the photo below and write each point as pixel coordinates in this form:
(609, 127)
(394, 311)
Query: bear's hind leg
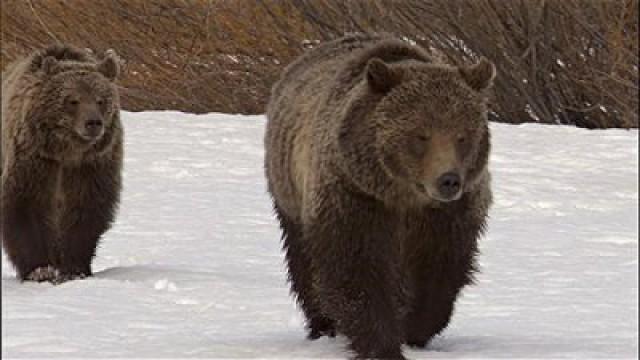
(300, 278)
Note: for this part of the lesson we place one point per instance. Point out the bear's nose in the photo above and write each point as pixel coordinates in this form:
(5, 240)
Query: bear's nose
(93, 127)
(449, 184)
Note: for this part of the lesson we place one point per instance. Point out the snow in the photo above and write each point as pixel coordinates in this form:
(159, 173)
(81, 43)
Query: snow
(193, 267)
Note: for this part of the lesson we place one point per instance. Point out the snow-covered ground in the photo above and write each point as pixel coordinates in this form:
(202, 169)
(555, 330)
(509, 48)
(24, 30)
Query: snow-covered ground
(193, 268)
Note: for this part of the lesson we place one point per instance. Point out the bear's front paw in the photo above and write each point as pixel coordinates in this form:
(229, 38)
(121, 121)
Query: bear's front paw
(43, 273)
(417, 343)
(322, 326)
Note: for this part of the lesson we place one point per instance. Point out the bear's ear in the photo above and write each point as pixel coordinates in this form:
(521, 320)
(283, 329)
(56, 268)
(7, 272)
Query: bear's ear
(49, 65)
(110, 66)
(479, 76)
(380, 76)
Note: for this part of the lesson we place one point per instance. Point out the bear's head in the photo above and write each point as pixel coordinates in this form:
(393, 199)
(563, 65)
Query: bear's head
(80, 99)
(431, 126)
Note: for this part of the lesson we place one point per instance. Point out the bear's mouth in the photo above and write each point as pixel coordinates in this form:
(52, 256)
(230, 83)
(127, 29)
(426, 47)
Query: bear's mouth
(424, 191)
(88, 138)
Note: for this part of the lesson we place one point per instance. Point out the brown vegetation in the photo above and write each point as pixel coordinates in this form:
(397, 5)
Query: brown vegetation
(559, 61)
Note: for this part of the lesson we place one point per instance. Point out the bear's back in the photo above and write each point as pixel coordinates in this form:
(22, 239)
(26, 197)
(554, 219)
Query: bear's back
(319, 65)
(295, 99)
(18, 87)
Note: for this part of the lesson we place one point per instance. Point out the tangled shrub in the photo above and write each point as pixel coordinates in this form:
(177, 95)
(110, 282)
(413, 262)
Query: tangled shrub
(560, 61)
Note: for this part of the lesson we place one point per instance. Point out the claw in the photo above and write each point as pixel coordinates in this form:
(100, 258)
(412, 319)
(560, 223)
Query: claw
(44, 273)
(417, 344)
(321, 327)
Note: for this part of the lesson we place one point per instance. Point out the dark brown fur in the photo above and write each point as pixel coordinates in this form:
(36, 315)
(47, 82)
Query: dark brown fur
(360, 131)
(61, 178)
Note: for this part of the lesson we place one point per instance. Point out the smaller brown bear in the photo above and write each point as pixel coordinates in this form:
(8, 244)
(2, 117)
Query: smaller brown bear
(61, 160)
(377, 162)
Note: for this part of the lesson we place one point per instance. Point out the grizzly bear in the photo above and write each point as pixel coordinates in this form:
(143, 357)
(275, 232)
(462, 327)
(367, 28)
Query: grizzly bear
(61, 160)
(377, 163)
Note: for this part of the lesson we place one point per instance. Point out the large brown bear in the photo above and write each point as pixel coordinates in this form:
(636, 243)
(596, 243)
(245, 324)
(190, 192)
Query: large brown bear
(376, 159)
(61, 160)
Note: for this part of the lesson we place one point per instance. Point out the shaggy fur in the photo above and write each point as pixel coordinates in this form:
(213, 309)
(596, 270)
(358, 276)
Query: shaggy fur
(360, 134)
(61, 160)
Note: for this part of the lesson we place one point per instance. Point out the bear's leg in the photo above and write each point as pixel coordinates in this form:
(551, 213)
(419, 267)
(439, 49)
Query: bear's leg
(91, 198)
(428, 316)
(436, 283)
(440, 262)
(26, 238)
(26, 235)
(356, 272)
(300, 277)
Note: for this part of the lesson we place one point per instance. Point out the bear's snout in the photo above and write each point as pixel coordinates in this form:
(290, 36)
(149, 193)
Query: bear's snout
(449, 185)
(93, 127)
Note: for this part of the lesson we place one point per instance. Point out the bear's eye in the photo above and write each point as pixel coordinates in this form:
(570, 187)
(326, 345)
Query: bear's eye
(418, 145)
(74, 102)
(462, 139)
(100, 102)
